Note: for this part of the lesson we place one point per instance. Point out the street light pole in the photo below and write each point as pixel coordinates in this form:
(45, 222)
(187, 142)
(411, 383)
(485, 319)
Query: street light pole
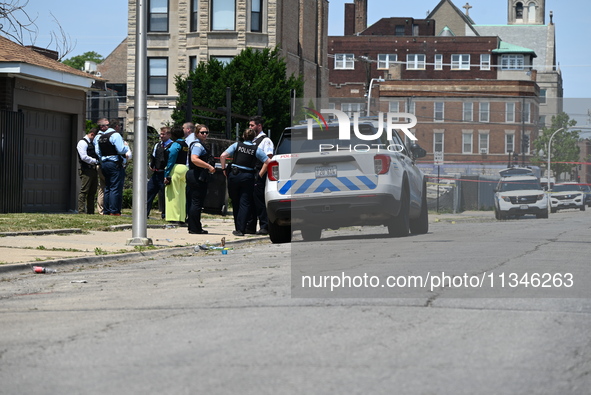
(369, 92)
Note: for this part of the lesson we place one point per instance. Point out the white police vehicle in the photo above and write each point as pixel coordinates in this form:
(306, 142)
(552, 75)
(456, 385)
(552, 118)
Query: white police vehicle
(326, 182)
(567, 195)
(518, 193)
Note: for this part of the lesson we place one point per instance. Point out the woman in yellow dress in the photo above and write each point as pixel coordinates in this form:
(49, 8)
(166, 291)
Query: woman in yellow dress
(174, 178)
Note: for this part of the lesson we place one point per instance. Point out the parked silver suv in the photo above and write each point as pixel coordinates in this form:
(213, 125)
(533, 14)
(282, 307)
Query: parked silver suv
(323, 182)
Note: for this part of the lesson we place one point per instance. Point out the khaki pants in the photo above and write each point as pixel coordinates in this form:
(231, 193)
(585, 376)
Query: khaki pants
(101, 193)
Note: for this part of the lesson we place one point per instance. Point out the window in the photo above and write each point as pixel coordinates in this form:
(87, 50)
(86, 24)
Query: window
(192, 63)
(344, 61)
(460, 62)
(350, 108)
(437, 142)
(542, 121)
(519, 10)
(509, 112)
(542, 96)
(223, 16)
(415, 29)
(399, 30)
(223, 59)
(484, 112)
(194, 15)
(256, 21)
(415, 62)
(531, 15)
(483, 143)
(468, 112)
(395, 107)
(438, 112)
(467, 143)
(512, 62)
(411, 108)
(439, 62)
(526, 113)
(386, 60)
(485, 62)
(158, 16)
(509, 142)
(157, 76)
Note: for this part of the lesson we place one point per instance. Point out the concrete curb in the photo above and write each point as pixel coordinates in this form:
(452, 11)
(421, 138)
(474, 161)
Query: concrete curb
(40, 232)
(127, 256)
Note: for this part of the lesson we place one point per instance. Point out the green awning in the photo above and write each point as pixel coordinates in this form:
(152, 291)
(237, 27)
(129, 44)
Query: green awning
(506, 48)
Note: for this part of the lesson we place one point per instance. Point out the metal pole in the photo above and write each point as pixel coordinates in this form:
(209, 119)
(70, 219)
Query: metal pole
(438, 181)
(228, 112)
(549, 171)
(369, 92)
(522, 131)
(189, 108)
(140, 171)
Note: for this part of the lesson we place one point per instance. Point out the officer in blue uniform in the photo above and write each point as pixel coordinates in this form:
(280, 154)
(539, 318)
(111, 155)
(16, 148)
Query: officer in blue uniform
(241, 177)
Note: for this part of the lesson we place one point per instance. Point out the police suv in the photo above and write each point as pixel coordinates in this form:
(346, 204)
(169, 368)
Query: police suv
(519, 192)
(567, 195)
(316, 181)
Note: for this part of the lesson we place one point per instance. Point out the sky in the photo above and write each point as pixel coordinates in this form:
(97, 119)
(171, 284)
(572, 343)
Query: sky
(101, 25)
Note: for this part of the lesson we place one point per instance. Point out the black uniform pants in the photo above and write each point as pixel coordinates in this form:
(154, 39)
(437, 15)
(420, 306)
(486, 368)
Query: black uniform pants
(197, 192)
(240, 189)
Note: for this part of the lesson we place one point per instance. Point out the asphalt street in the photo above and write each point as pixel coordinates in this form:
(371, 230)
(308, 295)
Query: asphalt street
(224, 324)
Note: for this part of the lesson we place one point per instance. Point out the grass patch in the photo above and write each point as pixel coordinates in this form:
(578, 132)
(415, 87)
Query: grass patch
(21, 222)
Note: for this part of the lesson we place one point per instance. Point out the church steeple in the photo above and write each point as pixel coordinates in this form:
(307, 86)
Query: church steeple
(526, 12)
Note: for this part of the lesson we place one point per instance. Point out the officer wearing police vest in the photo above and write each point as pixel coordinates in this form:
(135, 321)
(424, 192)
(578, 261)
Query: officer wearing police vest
(157, 165)
(88, 159)
(262, 141)
(241, 177)
(112, 151)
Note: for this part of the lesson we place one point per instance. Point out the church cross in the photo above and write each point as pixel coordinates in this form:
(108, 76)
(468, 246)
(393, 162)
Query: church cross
(467, 7)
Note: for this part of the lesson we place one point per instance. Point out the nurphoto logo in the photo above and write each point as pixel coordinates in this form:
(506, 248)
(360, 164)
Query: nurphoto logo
(344, 123)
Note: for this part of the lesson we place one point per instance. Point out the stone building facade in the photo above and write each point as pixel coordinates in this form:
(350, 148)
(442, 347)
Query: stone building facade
(182, 33)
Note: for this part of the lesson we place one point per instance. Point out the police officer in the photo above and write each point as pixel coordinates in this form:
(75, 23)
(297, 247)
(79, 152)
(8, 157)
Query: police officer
(263, 142)
(157, 165)
(88, 159)
(113, 151)
(241, 178)
(201, 166)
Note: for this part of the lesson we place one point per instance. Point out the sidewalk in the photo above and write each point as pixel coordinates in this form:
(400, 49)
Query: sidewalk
(19, 251)
(41, 248)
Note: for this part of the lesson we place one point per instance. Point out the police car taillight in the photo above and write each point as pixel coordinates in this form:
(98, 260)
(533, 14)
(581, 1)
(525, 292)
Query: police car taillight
(381, 164)
(273, 170)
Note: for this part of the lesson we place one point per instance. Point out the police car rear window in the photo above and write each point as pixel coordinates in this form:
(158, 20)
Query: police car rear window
(298, 141)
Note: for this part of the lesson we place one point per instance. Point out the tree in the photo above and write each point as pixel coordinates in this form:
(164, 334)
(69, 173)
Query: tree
(564, 145)
(77, 62)
(251, 75)
(17, 24)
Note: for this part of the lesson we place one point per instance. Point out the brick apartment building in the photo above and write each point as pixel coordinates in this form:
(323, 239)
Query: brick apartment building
(475, 97)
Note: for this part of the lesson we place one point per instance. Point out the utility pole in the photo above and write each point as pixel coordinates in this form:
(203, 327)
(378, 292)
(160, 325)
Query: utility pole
(228, 113)
(140, 172)
(189, 108)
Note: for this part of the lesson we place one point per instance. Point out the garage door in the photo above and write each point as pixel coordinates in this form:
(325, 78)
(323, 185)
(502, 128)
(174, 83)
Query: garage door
(47, 161)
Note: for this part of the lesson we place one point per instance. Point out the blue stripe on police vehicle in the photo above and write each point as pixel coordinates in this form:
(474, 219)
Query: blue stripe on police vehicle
(334, 184)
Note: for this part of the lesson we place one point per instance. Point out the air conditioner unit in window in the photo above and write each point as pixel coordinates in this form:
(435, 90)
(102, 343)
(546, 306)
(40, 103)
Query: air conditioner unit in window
(483, 150)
